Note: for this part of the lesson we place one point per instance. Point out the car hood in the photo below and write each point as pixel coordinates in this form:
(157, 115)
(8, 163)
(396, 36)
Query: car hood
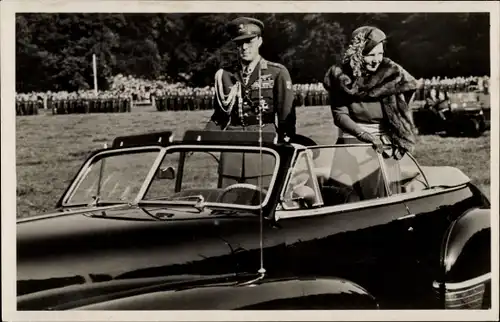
(70, 249)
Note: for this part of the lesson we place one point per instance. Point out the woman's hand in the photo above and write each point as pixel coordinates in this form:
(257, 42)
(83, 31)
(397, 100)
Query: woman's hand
(369, 138)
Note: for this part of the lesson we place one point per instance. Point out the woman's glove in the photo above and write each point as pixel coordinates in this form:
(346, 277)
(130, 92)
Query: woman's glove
(368, 138)
(398, 153)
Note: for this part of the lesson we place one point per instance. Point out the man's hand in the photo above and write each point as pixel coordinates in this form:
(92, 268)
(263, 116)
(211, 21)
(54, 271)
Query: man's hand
(368, 138)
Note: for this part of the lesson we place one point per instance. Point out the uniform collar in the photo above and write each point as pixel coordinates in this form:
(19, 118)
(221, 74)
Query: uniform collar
(253, 64)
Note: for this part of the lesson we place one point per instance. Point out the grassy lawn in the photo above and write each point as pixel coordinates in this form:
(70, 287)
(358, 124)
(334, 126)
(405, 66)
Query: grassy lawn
(50, 149)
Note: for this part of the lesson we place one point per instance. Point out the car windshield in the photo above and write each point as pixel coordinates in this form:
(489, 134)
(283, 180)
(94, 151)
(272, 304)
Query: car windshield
(237, 177)
(113, 177)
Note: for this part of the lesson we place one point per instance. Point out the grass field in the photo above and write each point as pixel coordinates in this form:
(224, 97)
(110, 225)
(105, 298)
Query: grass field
(50, 149)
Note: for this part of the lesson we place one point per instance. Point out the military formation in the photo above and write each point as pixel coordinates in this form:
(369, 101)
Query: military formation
(190, 99)
(125, 91)
(452, 85)
(80, 102)
(29, 103)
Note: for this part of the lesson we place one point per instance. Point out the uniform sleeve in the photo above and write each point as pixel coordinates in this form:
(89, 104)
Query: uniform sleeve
(218, 116)
(340, 112)
(283, 104)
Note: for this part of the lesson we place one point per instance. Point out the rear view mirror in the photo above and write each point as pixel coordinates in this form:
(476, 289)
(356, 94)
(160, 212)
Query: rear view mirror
(166, 173)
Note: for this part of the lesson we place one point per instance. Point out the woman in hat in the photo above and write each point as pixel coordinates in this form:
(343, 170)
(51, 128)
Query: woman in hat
(369, 96)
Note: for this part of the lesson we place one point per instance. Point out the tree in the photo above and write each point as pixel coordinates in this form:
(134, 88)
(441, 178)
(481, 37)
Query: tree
(54, 50)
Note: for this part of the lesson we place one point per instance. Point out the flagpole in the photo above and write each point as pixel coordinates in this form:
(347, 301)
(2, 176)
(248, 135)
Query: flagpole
(94, 68)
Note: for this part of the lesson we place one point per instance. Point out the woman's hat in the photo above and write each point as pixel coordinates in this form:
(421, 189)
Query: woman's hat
(246, 27)
(373, 36)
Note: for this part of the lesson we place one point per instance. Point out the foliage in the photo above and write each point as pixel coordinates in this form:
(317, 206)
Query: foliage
(54, 50)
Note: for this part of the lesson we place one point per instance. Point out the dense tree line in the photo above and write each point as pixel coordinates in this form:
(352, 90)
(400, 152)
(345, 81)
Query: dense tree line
(54, 50)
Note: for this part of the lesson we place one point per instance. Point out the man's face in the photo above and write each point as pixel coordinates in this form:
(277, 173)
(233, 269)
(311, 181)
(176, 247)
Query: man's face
(373, 59)
(248, 49)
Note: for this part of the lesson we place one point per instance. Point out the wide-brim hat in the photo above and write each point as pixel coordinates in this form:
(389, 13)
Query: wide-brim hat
(245, 28)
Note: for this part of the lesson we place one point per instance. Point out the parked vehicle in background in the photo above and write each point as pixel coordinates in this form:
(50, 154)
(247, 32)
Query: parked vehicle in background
(464, 113)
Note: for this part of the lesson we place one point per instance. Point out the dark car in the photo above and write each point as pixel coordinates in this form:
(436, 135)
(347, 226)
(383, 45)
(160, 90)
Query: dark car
(461, 114)
(218, 220)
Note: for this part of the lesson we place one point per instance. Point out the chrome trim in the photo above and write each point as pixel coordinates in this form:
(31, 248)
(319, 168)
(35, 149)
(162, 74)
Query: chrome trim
(150, 175)
(314, 179)
(419, 169)
(70, 212)
(285, 214)
(295, 156)
(223, 147)
(406, 217)
(385, 176)
(87, 166)
(465, 284)
(338, 145)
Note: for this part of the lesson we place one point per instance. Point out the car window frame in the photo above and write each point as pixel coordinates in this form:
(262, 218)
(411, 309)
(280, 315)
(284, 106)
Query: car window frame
(386, 177)
(69, 193)
(298, 153)
(191, 147)
(282, 213)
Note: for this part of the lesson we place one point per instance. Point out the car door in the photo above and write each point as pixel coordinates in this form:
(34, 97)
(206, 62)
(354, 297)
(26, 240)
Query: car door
(358, 231)
(432, 202)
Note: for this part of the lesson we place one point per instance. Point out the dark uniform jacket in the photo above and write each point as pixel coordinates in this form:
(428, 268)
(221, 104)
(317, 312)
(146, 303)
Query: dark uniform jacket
(276, 97)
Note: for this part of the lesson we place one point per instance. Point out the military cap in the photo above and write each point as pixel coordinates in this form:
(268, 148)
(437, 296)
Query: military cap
(246, 27)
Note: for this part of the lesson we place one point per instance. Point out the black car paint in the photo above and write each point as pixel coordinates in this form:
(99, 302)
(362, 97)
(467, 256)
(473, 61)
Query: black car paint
(392, 250)
(224, 292)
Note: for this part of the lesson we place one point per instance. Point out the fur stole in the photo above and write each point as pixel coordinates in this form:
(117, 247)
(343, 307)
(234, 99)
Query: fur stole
(389, 84)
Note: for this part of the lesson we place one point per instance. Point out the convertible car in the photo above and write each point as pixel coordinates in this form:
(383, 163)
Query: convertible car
(239, 221)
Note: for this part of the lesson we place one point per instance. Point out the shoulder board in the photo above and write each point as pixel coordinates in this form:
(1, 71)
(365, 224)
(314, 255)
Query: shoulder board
(275, 65)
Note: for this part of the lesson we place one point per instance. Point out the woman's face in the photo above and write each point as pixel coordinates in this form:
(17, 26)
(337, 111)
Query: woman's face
(441, 96)
(433, 93)
(373, 59)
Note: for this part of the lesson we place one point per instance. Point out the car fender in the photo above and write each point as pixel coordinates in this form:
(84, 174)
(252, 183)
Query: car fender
(313, 293)
(465, 262)
(467, 239)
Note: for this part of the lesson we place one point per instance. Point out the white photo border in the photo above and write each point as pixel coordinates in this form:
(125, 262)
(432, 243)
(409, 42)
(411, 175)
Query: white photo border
(8, 153)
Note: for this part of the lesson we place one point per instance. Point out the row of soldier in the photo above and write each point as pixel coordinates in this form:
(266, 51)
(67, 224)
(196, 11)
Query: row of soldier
(73, 102)
(91, 105)
(177, 97)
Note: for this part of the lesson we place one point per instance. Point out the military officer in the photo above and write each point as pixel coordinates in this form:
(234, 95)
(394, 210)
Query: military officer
(251, 92)
(251, 84)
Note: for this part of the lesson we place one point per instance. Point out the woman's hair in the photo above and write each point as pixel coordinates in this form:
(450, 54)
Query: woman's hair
(363, 40)
(354, 53)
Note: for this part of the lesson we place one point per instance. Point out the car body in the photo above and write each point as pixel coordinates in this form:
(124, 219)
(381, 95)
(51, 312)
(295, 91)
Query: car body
(464, 114)
(236, 220)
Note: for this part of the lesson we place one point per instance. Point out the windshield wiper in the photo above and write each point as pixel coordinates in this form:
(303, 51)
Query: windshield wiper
(180, 202)
(200, 201)
(94, 202)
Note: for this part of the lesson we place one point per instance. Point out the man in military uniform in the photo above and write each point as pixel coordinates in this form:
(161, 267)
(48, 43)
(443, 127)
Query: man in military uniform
(253, 91)
(251, 84)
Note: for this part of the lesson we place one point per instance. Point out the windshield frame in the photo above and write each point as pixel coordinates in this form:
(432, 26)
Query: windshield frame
(107, 153)
(211, 148)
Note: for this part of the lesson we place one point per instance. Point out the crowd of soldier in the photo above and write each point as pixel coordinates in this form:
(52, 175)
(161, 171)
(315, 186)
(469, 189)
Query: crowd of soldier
(73, 103)
(310, 94)
(452, 85)
(125, 91)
